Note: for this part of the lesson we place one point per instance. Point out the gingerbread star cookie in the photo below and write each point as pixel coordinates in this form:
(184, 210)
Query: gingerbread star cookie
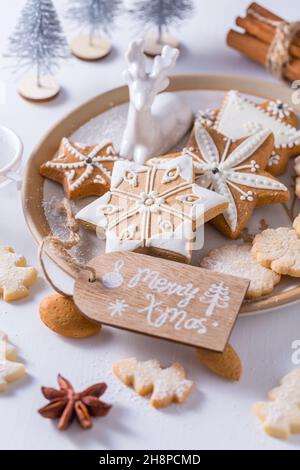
(15, 276)
(153, 209)
(240, 117)
(237, 260)
(281, 415)
(279, 250)
(235, 169)
(165, 385)
(83, 170)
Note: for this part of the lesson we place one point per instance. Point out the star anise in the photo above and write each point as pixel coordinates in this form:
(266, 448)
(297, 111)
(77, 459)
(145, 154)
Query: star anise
(66, 404)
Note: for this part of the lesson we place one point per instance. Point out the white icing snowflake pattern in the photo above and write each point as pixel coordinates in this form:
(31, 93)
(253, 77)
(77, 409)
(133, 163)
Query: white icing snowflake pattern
(279, 109)
(161, 211)
(274, 159)
(117, 308)
(207, 117)
(88, 162)
(251, 127)
(223, 172)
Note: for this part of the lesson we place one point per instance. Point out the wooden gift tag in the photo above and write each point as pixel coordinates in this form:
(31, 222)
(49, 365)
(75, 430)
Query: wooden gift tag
(161, 298)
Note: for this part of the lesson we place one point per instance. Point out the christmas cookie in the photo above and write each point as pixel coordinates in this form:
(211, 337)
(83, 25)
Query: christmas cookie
(278, 249)
(15, 276)
(226, 364)
(239, 117)
(153, 209)
(83, 170)
(61, 315)
(297, 171)
(235, 169)
(165, 385)
(10, 371)
(281, 415)
(11, 351)
(237, 260)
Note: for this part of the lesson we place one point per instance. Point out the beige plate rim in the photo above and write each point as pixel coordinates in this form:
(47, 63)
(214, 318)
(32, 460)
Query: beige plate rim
(32, 190)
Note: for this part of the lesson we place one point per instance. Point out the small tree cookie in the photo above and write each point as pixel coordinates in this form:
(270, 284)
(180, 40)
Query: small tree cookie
(10, 371)
(237, 260)
(165, 385)
(278, 249)
(281, 416)
(15, 276)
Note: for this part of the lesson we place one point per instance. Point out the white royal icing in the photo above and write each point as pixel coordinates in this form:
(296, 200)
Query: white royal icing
(223, 172)
(88, 162)
(279, 109)
(239, 116)
(136, 207)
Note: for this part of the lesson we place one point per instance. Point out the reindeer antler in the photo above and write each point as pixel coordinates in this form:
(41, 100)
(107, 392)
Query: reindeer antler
(162, 66)
(136, 61)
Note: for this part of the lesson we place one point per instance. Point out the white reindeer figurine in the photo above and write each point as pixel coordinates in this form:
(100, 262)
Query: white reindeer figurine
(155, 124)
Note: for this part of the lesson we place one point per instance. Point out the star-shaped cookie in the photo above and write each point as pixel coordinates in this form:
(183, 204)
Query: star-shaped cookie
(234, 169)
(153, 209)
(240, 117)
(83, 170)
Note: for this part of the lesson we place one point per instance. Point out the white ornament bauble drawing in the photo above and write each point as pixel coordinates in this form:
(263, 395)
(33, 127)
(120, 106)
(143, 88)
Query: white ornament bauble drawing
(114, 279)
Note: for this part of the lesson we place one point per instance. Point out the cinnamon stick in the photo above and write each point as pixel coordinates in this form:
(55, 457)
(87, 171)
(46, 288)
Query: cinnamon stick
(265, 32)
(257, 50)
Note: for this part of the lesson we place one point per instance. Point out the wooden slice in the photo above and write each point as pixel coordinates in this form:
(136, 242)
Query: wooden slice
(84, 50)
(29, 89)
(154, 47)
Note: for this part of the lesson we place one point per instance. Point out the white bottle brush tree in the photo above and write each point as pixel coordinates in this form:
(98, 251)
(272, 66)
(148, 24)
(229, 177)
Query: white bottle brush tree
(158, 16)
(96, 18)
(38, 43)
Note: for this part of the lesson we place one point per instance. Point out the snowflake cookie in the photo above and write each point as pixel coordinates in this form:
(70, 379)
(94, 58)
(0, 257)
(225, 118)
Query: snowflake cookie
(165, 385)
(10, 371)
(235, 169)
(83, 170)
(279, 249)
(239, 117)
(281, 415)
(153, 209)
(237, 260)
(15, 276)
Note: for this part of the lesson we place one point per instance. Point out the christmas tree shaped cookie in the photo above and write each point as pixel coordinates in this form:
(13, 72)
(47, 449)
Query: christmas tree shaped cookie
(281, 415)
(83, 170)
(15, 276)
(240, 117)
(153, 209)
(235, 169)
(10, 371)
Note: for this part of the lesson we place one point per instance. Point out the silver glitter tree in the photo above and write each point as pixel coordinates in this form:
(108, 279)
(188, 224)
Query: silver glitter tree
(38, 41)
(97, 16)
(161, 14)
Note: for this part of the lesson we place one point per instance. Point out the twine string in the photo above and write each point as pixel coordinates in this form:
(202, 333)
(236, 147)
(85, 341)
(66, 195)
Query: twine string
(62, 247)
(279, 51)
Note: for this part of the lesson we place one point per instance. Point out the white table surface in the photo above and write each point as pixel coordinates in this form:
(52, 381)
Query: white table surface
(218, 415)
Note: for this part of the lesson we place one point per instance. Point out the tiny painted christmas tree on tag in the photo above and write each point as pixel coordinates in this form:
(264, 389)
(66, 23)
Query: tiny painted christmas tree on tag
(96, 17)
(38, 44)
(158, 16)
